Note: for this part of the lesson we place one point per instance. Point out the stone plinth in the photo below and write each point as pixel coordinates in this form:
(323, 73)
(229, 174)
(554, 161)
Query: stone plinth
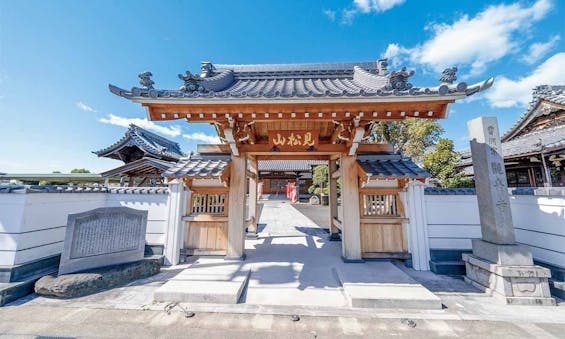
(502, 254)
(516, 284)
(498, 265)
(103, 237)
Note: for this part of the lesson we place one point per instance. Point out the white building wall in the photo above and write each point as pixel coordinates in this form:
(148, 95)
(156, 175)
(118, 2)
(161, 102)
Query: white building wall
(539, 221)
(32, 225)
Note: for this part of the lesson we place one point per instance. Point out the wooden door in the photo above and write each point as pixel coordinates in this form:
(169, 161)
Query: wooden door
(382, 224)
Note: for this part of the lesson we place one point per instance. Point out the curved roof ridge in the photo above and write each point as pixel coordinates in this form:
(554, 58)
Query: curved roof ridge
(145, 140)
(551, 93)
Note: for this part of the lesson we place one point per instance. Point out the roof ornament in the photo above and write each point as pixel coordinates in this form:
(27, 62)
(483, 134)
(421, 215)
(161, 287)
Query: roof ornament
(449, 75)
(399, 80)
(145, 80)
(191, 83)
(382, 67)
(206, 69)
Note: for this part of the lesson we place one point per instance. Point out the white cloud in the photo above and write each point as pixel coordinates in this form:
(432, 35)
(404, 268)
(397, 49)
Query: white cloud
(172, 131)
(475, 42)
(539, 49)
(365, 7)
(198, 136)
(509, 93)
(85, 107)
(330, 14)
(377, 6)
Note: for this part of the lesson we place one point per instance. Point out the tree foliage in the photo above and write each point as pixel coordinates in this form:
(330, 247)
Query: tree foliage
(80, 170)
(411, 136)
(320, 181)
(440, 163)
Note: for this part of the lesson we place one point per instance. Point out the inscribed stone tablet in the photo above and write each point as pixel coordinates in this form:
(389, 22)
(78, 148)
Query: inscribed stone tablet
(103, 237)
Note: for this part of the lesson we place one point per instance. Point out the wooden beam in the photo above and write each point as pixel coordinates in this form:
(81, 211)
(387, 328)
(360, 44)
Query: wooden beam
(230, 138)
(336, 174)
(374, 148)
(287, 156)
(321, 149)
(213, 149)
(357, 138)
(212, 112)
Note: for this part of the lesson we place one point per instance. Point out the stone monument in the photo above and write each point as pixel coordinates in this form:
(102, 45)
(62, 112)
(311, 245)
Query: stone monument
(103, 237)
(498, 265)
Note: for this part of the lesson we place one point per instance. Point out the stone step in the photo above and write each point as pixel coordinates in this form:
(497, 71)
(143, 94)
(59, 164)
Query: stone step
(448, 267)
(383, 285)
(208, 280)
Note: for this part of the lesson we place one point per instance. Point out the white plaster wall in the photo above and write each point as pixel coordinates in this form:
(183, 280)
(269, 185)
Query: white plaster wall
(33, 225)
(539, 221)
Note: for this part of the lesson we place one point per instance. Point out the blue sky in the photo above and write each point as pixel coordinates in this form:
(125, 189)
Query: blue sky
(57, 58)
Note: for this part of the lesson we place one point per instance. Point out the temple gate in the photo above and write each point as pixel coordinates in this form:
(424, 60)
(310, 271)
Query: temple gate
(291, 112)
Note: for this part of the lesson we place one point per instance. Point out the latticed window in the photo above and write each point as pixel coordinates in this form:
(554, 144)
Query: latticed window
(209, 203)
(380, 205)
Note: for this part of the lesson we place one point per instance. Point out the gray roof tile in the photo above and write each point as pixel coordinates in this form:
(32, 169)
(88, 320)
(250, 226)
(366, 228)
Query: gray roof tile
(288, 165)
(197, 166)
(553, 94)
(151, 143)
(361, 79)
(390, 166)
(545, 139)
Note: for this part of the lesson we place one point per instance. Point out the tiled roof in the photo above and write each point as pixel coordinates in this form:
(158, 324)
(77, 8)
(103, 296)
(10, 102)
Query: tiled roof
(82, 189)
(288, 165)
(197, 166)
(361, 79)
(390, 166)
(534, 142)
(151, 143)
(140, 166)
(552, 94)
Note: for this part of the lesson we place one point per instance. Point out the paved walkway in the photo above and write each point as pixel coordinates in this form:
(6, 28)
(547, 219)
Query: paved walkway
(292, 262)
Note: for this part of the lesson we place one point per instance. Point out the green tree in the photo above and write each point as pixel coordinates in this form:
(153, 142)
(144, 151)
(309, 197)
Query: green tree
(411, 136)
(320, 182)
(80, 170)
(440, 163)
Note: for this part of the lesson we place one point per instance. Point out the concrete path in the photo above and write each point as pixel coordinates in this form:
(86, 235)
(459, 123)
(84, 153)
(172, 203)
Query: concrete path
(293, 263)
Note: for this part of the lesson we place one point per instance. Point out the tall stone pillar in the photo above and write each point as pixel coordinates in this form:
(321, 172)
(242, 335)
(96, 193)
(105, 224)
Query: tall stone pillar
(498, 265)
(175, 225)
(334, 231)
(252, 201)
(351, 223)
(236, 208)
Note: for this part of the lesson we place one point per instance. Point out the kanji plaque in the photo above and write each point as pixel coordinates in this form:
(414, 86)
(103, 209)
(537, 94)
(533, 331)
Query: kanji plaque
(293, 140)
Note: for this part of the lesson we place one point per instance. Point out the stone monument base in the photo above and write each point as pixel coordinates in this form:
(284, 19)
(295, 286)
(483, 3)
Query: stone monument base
(513, 284)
(502, 254)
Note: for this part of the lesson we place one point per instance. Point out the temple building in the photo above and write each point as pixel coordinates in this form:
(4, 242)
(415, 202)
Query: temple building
(283, 112)
(534, 148)
(146, 156)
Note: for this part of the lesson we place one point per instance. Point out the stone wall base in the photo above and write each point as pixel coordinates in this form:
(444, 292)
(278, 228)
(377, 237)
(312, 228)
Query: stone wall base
(513, 284)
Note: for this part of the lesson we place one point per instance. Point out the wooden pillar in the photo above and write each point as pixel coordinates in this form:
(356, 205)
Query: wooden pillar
(252, 201)
(236, 208)
(334, 231)
(351, 227)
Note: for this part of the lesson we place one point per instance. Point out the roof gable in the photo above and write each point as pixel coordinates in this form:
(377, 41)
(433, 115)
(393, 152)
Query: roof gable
(149, 143)
(546, 100)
